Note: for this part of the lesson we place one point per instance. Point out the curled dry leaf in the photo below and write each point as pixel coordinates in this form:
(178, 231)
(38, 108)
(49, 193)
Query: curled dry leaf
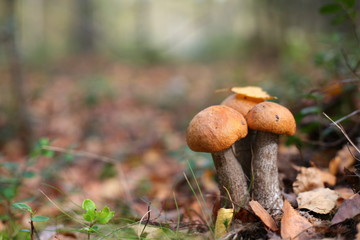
(293, 225)
(349, 209)
(343, 159)
(321, 200)
(263, 215)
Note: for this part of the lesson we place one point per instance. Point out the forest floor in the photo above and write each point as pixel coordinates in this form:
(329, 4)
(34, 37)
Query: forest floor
(115, 134)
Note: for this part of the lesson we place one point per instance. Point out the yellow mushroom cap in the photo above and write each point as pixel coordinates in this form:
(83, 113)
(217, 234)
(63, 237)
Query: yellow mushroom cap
(271, 117)
(240, 103)
(215, 128)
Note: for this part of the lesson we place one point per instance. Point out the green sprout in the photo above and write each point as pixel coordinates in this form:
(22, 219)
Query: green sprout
(92, 216)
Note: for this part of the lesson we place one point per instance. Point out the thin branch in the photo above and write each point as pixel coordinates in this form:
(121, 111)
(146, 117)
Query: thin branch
(343, 132)
(347, 116)
(146, 222)
(347, 63)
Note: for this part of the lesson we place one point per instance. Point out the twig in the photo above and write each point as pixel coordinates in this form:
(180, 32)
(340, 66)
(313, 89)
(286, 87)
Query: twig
(228, 193)
(351, 153)
(347, 116)
(343, 132)
(146, 223)
(353, 70)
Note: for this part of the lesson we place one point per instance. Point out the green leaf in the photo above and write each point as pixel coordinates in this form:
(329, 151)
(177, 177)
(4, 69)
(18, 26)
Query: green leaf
(92, 229)
(10, 165)
(310, 110)
(339, 19)
(22, 206)
(39, 149)
(68, 157)
(330, 8)
(349, 3)
(89, 216)
(104, 216)
(28, 174)
(88, 205)
(39, 219)
(9, 192)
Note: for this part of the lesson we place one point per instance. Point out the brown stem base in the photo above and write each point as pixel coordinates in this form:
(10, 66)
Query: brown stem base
(265, 171)
(231, 176)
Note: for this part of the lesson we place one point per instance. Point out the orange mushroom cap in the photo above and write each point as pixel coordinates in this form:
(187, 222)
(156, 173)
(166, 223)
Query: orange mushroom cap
(215, 128)
(240, 103)
(271, 117)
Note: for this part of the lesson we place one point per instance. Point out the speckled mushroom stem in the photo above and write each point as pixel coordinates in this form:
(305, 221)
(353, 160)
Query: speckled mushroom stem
(265, 171)
(242, 149)
(231, 176)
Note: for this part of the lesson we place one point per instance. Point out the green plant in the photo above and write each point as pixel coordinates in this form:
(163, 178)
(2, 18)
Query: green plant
(92, 216)
(12, 177)
(26, 208)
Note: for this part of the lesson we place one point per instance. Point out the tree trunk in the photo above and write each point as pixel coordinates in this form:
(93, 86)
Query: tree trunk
(84, 31)
(22, 116)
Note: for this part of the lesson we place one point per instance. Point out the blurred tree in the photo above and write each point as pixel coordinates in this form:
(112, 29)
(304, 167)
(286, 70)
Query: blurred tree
(84, 26)
(21, 116)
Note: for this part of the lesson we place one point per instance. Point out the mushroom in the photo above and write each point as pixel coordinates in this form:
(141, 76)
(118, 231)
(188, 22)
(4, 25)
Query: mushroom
(270, 120)
(243, 100)
(242, 147)
(214, 130)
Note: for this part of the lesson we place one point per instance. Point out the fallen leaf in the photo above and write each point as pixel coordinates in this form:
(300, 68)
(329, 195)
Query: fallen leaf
(263, 215)
(321, 200)
(293, 225)
(349, 209)
(308, 179)
(252, 92)
(344, 193)
(327, 177)
(223, 220)
(343, 159)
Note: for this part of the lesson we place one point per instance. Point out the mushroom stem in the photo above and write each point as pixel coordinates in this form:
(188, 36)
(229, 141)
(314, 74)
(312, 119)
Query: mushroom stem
(242, 149)
(231, 176)
(265, 171)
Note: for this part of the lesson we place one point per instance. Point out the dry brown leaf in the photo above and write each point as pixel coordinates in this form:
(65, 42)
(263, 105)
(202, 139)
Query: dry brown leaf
(292, 223)
(263, 215)
(345, 193)
(321, 200)
(343, 159)
(349, 209)
(327, 177)
(308, 179)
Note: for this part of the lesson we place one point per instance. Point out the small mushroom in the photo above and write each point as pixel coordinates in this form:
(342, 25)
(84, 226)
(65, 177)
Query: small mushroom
(270, 120)
(244, 99)
(214, 130)
(242, 147)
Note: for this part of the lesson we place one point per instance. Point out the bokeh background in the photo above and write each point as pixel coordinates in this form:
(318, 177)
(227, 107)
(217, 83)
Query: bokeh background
(121, 79)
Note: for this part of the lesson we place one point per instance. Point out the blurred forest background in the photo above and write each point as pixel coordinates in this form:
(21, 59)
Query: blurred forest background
(119, 80)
